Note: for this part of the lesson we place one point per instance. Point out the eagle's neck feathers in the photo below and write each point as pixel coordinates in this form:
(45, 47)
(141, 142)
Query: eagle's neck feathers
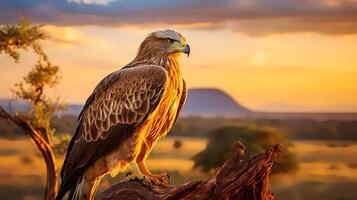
(169, 62)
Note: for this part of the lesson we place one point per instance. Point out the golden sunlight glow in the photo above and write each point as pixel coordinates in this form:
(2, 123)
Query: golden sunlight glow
(280, 72)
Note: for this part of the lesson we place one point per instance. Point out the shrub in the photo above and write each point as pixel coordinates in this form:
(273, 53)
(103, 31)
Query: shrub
(255, 140)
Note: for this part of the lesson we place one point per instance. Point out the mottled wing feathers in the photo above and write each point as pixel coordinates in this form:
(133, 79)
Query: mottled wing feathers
(115, 109)
(126, 101)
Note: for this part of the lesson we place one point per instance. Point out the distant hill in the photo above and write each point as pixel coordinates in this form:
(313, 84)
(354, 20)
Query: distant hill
(200, 102)
(211, 102)
(73, 109)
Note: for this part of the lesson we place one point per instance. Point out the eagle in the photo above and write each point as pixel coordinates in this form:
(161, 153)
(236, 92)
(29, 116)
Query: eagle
(126, 114)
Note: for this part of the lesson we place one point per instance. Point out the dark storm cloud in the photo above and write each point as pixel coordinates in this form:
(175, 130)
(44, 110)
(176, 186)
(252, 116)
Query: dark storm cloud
(254, 17)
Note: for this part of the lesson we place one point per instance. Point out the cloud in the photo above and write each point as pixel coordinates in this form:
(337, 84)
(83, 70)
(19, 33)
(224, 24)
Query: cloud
(98, 2)
(253, 17)
(63, 35)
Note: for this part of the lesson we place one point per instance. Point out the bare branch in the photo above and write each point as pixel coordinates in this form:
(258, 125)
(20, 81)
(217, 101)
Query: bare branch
(44, 147)
(236, 179)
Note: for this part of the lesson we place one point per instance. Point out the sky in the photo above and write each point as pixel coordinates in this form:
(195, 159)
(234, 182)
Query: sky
(276, 55)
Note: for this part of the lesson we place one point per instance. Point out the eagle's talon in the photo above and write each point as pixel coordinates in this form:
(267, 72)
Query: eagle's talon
(167, 178)
(146, 181)
(163, 177)
(130, 177)
(160, 180)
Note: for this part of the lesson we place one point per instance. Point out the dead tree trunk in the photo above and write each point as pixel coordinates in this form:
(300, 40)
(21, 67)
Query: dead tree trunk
(45, 149)
(236, 179)
(51, 168)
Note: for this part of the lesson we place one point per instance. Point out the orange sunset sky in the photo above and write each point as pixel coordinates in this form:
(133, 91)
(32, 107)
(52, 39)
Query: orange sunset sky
(279, 55)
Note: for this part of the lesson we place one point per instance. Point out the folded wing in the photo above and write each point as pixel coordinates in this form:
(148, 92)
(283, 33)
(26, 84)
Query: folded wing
(113, 112)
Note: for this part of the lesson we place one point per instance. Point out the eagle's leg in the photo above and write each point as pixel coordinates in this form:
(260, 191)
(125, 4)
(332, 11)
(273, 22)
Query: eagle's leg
(91, 179)
(162, 179)
(136, 174)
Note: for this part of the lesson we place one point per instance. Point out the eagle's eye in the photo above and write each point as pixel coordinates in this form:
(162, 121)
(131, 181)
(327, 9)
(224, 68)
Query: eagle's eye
(170, 41)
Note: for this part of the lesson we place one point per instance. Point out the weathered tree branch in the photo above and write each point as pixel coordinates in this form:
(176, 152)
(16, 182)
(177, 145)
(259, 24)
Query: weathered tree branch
(236, 179)
(44, 147)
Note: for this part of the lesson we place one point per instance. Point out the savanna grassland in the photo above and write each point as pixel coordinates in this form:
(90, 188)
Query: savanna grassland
(327, 168)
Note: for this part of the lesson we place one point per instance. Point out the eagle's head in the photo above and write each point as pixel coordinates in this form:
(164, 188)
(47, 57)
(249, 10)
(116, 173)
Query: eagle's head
(163, 43)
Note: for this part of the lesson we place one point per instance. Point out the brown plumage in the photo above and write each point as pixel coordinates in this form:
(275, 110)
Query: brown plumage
(126, 114)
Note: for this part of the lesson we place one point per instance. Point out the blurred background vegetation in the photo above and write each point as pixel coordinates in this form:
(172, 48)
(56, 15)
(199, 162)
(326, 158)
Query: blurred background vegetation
(221, 142)
(317, 155)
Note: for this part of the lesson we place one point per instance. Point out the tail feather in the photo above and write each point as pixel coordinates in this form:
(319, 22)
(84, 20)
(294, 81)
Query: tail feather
(75, 191)
(71, 185)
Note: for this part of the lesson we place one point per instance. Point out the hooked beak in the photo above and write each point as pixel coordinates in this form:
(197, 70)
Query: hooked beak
(186, 50)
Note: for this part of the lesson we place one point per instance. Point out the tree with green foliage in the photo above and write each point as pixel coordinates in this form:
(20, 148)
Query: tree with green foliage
(221, 142)
(35, 121)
